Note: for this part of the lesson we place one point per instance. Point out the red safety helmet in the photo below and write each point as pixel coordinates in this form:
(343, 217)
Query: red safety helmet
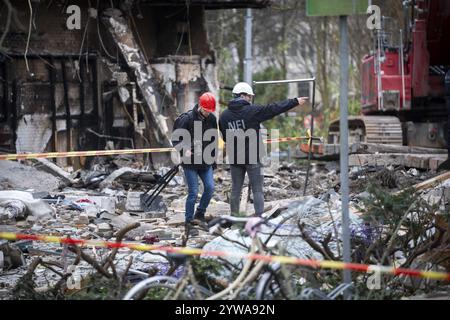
(208, 102)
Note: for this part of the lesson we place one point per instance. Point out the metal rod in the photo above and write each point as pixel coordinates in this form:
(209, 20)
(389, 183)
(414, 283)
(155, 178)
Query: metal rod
(313, 80)
(313, 102)
(285, 81)
(130, 140)
(344, 77)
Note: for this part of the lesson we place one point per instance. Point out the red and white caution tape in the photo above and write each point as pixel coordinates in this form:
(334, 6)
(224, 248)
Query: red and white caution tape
(335, 265)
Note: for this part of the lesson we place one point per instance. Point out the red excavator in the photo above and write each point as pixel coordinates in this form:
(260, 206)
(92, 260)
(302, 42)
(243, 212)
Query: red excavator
(406, 82)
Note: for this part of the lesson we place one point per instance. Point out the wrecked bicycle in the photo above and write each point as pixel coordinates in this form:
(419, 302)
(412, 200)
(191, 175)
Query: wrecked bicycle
(257, 280)
(186, 288)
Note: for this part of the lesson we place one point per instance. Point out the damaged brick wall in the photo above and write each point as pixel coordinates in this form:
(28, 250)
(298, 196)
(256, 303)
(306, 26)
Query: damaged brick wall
(39, 111)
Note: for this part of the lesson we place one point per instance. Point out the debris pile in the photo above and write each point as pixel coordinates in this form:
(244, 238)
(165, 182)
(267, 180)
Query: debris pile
(105, 203)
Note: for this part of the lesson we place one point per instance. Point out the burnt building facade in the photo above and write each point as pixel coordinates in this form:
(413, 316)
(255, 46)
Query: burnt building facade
(88, 75)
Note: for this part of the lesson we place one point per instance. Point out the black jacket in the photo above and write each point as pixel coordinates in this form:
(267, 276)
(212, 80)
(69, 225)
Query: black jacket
(187, 121)
(243, 115)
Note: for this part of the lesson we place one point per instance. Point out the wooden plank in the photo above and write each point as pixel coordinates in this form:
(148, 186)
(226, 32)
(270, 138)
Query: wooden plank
(432, 182)
(371, 148)
(419, 161)
(385, 148)
(436, 162)
(356, 160)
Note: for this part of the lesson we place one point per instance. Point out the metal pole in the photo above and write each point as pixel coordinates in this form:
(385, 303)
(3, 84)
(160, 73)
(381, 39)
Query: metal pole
(248, 64)
(344, 56)
(311, 143)
(286, 81)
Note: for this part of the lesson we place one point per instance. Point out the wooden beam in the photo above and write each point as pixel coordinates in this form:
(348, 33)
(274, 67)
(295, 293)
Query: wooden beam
(51, 76)
(81, 95)
(419, 161)
(67, 105)
(385, 148)
(432, 182)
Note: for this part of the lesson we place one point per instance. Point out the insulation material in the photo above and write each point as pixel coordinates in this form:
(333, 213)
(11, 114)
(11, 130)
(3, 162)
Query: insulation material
(12, 209)
(14, 203)
(187, 73)
(33, 133)
(167, 72)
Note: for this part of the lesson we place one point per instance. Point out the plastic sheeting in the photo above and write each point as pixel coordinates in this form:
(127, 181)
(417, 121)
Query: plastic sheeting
(12, 202)
(320, 218)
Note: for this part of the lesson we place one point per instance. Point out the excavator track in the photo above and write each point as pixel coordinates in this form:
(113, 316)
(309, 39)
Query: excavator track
(370, 129)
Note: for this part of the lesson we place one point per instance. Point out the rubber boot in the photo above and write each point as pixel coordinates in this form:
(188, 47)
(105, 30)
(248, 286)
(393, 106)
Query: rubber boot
(190, 230)
(199, 218)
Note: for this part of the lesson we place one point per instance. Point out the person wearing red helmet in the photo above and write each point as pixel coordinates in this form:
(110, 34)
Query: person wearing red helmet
(207, 102)
(194, 163)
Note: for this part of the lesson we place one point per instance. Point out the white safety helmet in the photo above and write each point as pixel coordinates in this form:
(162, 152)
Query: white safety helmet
(243, 87)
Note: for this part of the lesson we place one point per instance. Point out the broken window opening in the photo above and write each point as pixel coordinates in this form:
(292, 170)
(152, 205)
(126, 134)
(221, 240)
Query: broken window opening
(182, 40)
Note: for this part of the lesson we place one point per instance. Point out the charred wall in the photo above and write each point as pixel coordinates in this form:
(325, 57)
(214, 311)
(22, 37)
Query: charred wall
(79, 92)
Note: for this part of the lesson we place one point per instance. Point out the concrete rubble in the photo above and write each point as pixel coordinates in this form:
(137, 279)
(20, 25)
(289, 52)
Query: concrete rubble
(100, 210)
(16, 176)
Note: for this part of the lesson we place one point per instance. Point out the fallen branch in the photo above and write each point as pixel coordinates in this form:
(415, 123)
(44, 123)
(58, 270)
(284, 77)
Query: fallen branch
(119, 237)
(91, 261)
(314, 245)
(130, 263)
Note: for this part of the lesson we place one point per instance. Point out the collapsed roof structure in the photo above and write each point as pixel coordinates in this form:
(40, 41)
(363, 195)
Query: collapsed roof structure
(117, 80)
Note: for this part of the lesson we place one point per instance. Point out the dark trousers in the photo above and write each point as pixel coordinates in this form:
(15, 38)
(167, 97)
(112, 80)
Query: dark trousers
(207, 177)
(256, 180)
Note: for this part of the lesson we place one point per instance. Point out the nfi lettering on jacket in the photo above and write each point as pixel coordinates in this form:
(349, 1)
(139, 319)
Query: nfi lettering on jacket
(237, 125)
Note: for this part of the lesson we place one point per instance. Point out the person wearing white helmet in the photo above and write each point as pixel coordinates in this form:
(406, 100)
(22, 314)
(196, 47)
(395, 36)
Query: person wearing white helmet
(241, 119)
(243, 88)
